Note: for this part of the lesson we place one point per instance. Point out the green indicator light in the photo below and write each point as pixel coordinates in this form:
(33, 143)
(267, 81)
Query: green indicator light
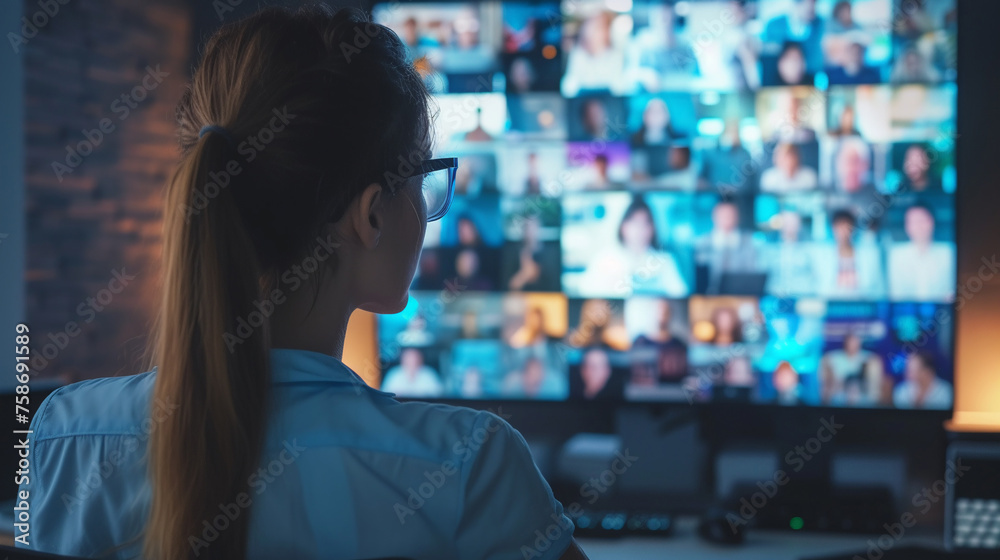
(796, 523)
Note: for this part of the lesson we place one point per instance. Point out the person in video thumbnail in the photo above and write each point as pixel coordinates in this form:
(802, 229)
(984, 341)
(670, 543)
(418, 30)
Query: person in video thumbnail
(472, 383)
(469, 326)
(913, 67)
(660, 333)
(727, 327)
(521, 76)
(917, 171)
(527, 38)
(913, 21)
(416, 43)
(598, 173)
(853, 69)
(842, 20)
(654, 364)
(466, 54)
(788, 173)
(790, 265)
(853, 395)
(635, 264)
(530, 275)
(533, 377)
(851, 362)
(738, 50)
(787, 122)
(739, 373)
(853, 166)
(739, 382)
(533, 182)
(478, 134)
(802, 25)
(595, 373)
(656, 129)
(786, 384)
(661, 57)
(725, 248)
(922, 387)
(468, 271)
(726, 166)
(411, 378)
(840, 31)
(594, 64)
(468, 231)
(846, 125)
(657, 354)
(791, 65)
(665, 167)
(416, 333)
(537, 383)
(532, 333)
(921, 269)
(475, 175)
(845, 269)
(598, 327)
(594, 118)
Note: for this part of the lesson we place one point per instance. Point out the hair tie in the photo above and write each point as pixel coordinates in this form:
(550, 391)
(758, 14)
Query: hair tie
(216, 128)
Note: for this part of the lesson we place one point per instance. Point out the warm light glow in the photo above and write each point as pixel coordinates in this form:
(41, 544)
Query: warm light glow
(423, 66)
(703, 331)
(977, 363)
(361, 348)
(549, 52)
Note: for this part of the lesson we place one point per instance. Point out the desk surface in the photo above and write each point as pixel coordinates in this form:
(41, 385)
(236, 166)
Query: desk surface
(684, 544)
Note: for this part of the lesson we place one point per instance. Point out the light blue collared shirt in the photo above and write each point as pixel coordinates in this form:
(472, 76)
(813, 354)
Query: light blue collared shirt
(346, 472)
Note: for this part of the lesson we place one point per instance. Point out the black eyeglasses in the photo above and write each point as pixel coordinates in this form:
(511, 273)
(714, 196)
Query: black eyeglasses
(438, 185)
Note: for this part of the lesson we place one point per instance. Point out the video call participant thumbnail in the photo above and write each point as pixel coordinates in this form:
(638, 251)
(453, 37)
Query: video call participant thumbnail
(724, 250)
(922, 387)
(851, 362)
(412, 378)
(594, 378)
(634, 264)
(921, 269)
(845, 268)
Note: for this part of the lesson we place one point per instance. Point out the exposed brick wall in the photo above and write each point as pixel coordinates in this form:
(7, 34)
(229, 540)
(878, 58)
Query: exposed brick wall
(105, 214)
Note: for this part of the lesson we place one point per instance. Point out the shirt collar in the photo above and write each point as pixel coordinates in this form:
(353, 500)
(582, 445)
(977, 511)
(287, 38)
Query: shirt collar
(726, 238)
(290, 365)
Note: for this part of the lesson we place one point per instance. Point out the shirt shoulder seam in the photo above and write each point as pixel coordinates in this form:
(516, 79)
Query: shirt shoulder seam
(44, 410)
(83, 434)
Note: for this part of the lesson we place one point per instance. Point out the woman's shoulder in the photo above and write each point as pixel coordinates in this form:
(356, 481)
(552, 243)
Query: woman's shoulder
(442, 420)
(105, 405)
(88, 464)
(443, 431)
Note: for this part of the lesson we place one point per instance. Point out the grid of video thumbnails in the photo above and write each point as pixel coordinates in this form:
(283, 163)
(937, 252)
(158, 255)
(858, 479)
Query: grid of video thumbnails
(698, 201)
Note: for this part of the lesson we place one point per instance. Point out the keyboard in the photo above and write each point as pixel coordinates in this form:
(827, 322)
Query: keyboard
(977, 524)
(619, 524)
(904, 553)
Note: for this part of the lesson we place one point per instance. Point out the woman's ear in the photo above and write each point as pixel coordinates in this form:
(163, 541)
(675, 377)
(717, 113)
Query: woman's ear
(365, 217)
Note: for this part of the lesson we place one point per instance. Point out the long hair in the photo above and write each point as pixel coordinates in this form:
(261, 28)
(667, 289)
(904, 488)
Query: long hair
(639, 205)
(313, 105)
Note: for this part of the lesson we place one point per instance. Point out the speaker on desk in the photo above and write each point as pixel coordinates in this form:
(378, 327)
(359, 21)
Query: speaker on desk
(972, 497)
